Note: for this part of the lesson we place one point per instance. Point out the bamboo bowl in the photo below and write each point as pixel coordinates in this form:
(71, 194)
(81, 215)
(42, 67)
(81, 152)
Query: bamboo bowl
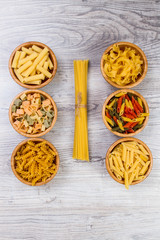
(38, 134)
(15, 152)
(122, 45)
(111, 148)
(30, 86)
(146, 110)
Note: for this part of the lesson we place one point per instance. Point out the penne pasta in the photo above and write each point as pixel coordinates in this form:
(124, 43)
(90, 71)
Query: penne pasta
(24, 67)
(33, 78)
(44, 71)
(129, 162)
(26, 59)
(19, 76)
(15, 59)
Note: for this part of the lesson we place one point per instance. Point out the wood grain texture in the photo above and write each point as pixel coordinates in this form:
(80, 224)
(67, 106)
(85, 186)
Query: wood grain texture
(83, 201)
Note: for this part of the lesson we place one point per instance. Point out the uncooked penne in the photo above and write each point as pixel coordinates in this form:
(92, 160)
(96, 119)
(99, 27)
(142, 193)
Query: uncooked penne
(144, 169)
(19, 76)
(25, 66)
(126, 179)
(15, 59)
(35, 82)
(26, 50)
(46, 64)
(32, 64)
(36, 48)
(45, 72)
(129, 162)
(43, 60)
(50, 63)
(33, 78)
(26, 59)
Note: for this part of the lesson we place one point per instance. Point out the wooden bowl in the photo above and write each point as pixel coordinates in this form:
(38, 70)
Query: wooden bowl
(15, 152)
(126, 140)
(51, 55)
(122, 45)
(38, 134)
(146, 110)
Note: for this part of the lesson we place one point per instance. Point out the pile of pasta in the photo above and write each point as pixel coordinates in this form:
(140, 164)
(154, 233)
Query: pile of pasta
(122, 66)
(32, 65)
(80, 148)
(125, 113)
(32, 113)
(35, 162)
(129, 162)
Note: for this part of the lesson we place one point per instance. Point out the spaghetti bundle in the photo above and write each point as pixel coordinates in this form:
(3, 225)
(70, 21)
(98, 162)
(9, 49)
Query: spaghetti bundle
(80, 148)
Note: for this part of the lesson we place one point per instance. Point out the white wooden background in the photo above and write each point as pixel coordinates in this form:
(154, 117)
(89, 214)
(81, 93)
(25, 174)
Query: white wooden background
(83, 201)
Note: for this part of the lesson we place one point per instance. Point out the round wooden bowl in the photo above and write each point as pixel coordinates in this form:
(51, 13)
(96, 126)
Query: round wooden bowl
(27, 45)
(126, 140)
(17, 149)
(38, 134)
(146, 110)
(122, 45)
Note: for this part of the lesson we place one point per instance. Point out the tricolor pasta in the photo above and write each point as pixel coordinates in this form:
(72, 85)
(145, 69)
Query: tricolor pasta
(125, 112)
(32, 113)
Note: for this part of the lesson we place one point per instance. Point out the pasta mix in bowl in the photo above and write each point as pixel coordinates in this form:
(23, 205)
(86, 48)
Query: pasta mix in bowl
(129, 161)
(33, 113)
(35, 161)
(125, 113)
(32, 65)
(124, 65)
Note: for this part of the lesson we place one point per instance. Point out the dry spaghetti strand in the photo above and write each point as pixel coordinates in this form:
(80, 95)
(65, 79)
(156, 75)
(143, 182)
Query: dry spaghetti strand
(80, 148)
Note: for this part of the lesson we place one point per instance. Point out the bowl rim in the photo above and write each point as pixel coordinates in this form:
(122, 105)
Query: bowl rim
(39, 44)
(54, 119)
(34, 140)
(126, 140)
(146, 108)
(138, 49)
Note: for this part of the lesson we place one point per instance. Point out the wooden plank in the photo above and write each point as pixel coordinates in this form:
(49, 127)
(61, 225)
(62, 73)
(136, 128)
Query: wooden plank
(82, 202)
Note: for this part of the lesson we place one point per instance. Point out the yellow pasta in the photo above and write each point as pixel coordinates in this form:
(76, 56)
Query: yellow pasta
(30, 62)
(27, 51)
(36, 48)
(28, 58)
(35, 162)
(15, 60)
(44, 71)
(129, 162)
(19, 76)
(122, 66)
(33, 78)
(80, 148)
(24, 67)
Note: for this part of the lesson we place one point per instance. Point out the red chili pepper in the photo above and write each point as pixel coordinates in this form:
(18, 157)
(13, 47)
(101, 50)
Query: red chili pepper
(108, 115)
(126, 96)
(127, 125)
(136, 109)
(139, 106)
(131, 131)
(115, 119)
